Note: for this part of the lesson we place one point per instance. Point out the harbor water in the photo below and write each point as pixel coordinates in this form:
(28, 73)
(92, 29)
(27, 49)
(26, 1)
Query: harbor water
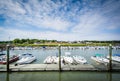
(59, 76)
(41, 54)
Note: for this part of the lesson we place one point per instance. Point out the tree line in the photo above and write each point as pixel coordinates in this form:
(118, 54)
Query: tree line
(26, 41)
(38, 41)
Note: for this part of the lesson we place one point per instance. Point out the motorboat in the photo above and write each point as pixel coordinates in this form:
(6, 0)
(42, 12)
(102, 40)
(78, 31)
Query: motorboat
(115, 57)
(51, 60)
(2, 54)
(79, 60)
(26, 59)
(48, 60)
(67, 59)
(100, 59)
(13, 58)
(55, 59)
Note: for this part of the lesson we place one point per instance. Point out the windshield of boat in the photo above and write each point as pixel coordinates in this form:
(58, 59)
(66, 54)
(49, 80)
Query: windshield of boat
(26, 54)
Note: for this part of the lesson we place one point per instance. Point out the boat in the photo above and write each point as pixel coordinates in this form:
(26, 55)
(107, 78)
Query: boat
(100, 59)
(115, 57)
(51, 60)
(3, 59)
(79, 60)
(55, 59)
(67, 59)
(2, 54)
(48, 60)
(26, 59)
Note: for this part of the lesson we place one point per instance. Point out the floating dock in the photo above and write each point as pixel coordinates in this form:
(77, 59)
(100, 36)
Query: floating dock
(50, 67)
(55, 67)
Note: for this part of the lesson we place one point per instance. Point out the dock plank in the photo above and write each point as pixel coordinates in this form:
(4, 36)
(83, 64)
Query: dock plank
(55, 67)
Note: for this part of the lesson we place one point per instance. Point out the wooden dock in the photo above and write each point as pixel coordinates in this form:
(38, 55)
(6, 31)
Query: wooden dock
(49, 67)
(54, 67)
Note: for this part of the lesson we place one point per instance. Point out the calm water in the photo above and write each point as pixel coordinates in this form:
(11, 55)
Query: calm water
(63, 76)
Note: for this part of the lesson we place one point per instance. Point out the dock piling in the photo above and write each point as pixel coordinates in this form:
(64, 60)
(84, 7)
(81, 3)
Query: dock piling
(7, 57)
(59, 48)
(110, 55)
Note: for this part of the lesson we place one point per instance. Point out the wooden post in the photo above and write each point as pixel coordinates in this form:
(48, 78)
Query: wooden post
(59, 48)
(8, 58)
(110, 57)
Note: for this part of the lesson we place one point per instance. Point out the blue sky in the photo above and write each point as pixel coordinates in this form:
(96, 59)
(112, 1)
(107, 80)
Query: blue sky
(67, 20)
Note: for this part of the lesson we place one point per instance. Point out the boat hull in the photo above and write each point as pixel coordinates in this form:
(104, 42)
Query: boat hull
(15, 58)
(26, 60)
(79, 60)
(100, 59)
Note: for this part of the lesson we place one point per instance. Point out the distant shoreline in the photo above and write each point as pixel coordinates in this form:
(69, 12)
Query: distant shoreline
(64, 44)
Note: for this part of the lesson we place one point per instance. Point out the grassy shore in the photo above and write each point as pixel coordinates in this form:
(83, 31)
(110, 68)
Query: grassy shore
(63, 44)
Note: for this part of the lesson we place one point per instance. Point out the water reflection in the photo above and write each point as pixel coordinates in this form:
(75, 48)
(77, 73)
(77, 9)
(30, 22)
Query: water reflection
(57, 76)
(110, 76)
(7, 76)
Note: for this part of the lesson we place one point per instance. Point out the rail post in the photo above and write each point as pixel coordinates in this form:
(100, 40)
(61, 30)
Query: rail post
(59, 48)
(8, 46)
(110, 57)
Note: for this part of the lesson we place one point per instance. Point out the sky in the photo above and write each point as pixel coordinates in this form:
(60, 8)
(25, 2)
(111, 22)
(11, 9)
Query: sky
(64, 20)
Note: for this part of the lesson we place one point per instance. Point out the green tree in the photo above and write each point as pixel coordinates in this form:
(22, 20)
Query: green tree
(15, 41)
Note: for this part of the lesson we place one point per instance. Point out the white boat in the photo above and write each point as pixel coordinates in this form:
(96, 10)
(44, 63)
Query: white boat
(48, 60)
(79, 60)
(98, 58)
(68, 59)
(55, 59)
(26, 59)
(52, 60)
(115, 57)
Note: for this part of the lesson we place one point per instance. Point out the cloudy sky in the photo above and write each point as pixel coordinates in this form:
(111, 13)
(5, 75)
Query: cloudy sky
(60, 19)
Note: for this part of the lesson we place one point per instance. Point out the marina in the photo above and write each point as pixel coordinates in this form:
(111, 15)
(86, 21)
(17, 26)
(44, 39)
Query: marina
(59, 40)
(77, 65)
(75, 59)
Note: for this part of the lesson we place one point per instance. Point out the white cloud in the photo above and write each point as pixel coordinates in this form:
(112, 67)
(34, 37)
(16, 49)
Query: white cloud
(81, 21)
(15, 33)
(89, 23)
(36, 14)
(104, 17)
(57, 24)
